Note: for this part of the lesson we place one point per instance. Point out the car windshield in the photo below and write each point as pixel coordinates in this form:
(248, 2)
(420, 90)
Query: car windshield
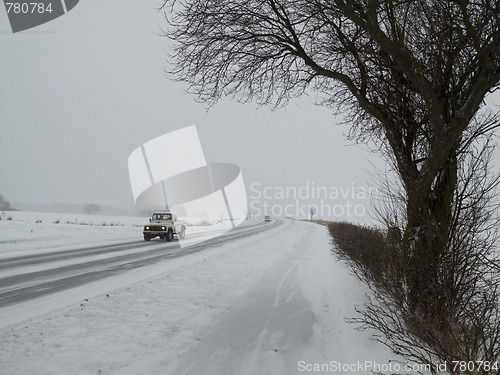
(162, 217)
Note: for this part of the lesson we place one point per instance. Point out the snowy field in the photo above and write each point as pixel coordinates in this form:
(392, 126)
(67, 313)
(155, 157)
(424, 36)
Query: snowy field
(272, 303)
(24, 232)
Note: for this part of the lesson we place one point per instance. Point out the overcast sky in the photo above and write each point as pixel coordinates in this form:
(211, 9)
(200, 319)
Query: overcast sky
(80, 93)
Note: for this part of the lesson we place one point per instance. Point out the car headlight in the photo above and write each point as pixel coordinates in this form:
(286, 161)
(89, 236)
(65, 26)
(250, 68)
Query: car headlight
(162, 228)
(146, 227)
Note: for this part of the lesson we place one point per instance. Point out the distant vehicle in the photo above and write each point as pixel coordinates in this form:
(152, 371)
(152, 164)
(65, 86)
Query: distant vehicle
(164, 225)
(267, 218)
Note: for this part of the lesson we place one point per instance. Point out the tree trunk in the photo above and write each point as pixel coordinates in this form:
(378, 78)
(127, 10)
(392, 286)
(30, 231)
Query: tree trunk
(425, 240)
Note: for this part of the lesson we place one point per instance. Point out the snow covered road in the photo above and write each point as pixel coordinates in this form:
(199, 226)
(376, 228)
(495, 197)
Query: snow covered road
(30, 276)
(272, 303)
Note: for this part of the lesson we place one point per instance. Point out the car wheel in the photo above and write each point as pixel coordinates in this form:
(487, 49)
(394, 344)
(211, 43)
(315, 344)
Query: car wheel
(169, 236)
(147, 238)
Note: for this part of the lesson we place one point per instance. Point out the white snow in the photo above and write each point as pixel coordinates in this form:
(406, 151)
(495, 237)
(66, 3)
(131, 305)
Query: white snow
(25, 232)
(272, 303)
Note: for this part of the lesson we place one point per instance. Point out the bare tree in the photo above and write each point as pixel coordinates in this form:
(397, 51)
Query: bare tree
(462, 320)
(312, 211)
(5, 205)
(92, 209)
(411, 76)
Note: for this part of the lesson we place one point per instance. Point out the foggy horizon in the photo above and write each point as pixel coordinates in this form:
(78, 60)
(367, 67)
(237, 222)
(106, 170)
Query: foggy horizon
(81, 92)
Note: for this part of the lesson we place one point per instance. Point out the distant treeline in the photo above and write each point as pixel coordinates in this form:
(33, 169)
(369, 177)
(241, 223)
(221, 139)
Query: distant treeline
(5, 205)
